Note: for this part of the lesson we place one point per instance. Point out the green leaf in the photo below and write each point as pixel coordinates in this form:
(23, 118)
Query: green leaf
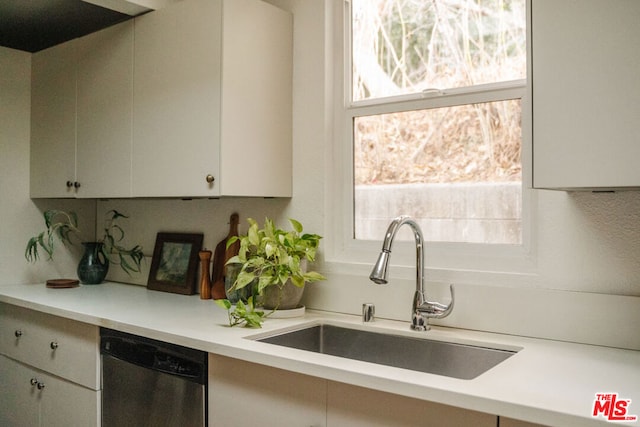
(269, 228)
(296, 225)
(298, 281)
(224, 303)
(270, 249)
(254, 320)
(234, 260)
(31, 251)
(115, 214)
(231, 240)
(73, 219)
(264, 281)
(253, 235)
(243, 279)
(119, 230)
(312, 276)
(48, 217)
(241, 309)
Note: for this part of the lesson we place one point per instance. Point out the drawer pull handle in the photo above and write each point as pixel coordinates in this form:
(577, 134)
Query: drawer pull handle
(18, 333)
(53, 345)
(40, 385)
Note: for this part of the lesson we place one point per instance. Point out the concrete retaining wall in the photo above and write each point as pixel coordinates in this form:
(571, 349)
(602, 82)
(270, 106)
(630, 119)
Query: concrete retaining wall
(472, 213)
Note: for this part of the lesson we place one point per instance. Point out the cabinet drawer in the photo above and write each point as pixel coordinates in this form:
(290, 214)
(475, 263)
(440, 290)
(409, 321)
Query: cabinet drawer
(63, 347)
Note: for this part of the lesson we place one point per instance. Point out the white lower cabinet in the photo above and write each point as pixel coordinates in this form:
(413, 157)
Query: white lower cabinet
(353, 406)
(30, 397)
(18, 398)
(241, 393)
(49, 370)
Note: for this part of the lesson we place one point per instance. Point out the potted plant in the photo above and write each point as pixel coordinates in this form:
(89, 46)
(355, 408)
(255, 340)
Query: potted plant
(273, 261)
(94, 264)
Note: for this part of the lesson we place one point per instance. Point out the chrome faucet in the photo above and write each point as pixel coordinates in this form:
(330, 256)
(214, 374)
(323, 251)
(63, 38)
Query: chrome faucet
(422, 309)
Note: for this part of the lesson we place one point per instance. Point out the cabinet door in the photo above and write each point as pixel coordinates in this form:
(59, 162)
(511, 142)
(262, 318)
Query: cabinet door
(66, 404)
(586, 97)
(351, 406)
(243, 394)
(53, 121)
(31, 398)
(105, 112)
(256, 126)
(19, 397)
(177, 100)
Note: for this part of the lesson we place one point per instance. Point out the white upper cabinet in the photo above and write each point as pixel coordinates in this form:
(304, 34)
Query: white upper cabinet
(193, 100)
(212, 100)
(81, 116)
(586, 95)
(53, 121)
(105, 112)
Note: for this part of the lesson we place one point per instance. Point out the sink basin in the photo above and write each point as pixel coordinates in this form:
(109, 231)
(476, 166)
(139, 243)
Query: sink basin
(455, 360)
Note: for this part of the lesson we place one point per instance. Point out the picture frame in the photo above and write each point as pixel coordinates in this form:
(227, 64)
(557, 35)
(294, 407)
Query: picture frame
(174, 266)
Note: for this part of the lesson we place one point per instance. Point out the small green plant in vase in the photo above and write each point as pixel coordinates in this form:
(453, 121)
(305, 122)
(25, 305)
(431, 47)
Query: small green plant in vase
(62, 225)
(273, 262)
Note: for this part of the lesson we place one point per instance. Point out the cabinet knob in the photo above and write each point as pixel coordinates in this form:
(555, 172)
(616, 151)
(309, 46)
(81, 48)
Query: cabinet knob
(69, 184)
(53, 345)
(210, 178)
(40, 385)
(18, 333)
(76, 184)
(33, 381)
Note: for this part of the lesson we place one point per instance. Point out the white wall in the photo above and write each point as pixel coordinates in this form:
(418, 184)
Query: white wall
(15, 93)
(20, 218)
(586, 246)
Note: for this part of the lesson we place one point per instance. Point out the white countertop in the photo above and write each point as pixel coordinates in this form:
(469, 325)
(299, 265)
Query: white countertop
(547, 382)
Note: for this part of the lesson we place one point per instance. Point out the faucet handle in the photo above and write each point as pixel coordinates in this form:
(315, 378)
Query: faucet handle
(437, 310)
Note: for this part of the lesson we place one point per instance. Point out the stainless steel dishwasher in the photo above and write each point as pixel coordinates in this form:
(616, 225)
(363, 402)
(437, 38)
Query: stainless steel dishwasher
(151, 383)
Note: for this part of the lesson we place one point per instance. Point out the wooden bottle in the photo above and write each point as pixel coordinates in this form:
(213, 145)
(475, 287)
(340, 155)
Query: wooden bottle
(221, 256)
(205, 280)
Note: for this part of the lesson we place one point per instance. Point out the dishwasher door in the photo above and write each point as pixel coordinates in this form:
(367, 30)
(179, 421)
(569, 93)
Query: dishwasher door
(150, 383)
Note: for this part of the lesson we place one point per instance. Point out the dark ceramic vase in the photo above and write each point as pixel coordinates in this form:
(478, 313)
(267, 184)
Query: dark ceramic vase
(93, 265)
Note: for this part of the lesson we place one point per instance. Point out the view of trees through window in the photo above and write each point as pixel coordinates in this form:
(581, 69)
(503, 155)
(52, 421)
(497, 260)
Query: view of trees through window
(426, 50)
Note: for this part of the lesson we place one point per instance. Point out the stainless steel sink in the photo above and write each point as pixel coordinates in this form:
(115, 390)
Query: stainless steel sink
(455, 360)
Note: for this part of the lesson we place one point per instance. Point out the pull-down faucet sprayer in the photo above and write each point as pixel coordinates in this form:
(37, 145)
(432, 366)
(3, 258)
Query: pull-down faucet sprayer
(421, 309)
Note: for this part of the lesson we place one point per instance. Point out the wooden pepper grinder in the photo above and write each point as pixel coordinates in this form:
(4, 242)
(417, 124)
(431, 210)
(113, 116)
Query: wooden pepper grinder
(205, 281)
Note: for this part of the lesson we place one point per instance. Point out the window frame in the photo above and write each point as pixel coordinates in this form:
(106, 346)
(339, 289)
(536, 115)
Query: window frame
(467, 262)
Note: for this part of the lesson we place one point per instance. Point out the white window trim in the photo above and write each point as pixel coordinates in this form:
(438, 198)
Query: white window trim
(495, 264)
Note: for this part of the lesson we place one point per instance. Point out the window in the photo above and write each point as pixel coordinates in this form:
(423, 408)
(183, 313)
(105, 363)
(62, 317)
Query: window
(434, 108)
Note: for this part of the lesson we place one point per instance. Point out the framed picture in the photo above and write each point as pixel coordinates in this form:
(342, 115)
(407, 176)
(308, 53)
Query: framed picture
(174, 267)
